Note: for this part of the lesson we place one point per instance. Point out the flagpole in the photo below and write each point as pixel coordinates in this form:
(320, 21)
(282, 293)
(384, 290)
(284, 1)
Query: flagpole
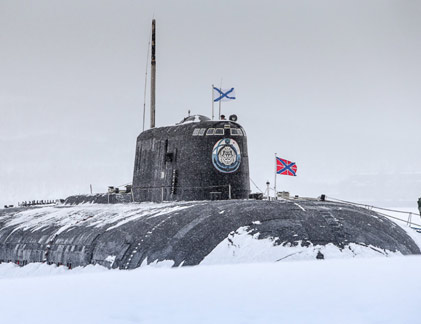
(220, 101)
(213, 98)
(275, 173)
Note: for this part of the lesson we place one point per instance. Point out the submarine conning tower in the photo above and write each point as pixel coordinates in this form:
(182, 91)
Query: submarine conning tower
(197, 159)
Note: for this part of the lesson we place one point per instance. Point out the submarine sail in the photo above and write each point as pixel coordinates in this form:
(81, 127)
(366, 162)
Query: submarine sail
(197, 159)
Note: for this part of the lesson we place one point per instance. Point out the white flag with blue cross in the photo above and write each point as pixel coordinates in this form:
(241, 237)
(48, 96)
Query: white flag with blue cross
(220, 94)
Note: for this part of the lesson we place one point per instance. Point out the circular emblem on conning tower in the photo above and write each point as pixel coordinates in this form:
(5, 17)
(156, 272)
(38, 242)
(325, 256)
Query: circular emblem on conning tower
(226, 155)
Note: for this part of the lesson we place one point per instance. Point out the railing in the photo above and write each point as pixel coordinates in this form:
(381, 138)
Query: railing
(409, 221)
(39, 202)
(174, 190)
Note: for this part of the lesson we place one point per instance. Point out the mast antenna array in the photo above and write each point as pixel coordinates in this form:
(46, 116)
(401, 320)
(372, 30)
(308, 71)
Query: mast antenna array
(153, 75)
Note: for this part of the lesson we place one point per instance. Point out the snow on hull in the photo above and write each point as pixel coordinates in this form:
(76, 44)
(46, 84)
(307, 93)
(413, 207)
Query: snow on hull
(243, 247)
(89, 215)
(128, 236)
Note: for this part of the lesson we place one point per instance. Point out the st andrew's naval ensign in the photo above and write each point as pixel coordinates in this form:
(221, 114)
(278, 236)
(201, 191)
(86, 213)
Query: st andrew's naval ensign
(226, 155)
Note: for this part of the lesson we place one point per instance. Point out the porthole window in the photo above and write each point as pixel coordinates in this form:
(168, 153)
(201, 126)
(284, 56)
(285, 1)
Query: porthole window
(219, 131)
(236, 132)
(210, 131)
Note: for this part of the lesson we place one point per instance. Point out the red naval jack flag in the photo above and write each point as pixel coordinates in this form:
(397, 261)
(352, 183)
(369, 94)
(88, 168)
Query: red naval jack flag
(285, 167)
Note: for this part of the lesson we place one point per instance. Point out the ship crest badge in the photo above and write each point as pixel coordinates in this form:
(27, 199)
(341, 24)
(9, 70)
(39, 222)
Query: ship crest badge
(226, 155)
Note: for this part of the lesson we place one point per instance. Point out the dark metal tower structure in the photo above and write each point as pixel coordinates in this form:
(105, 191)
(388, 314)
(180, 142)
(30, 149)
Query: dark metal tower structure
(153, 75)
(197, 159)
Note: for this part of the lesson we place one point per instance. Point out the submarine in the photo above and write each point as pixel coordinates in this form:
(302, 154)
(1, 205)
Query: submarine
(189, 204)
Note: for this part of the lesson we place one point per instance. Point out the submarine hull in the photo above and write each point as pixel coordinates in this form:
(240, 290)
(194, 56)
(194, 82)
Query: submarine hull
(131, 235)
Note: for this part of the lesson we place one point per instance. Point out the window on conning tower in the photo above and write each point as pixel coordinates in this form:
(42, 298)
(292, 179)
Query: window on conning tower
(199, 131)
(219, 131)
(236, 132)
(210, 131)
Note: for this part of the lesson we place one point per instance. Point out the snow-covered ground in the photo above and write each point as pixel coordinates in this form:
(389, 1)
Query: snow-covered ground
(376, 290)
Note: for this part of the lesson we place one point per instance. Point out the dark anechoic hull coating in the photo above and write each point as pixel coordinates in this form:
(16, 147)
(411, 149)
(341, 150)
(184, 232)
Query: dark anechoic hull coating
(188, 235)
(172, 164)
(113, 198)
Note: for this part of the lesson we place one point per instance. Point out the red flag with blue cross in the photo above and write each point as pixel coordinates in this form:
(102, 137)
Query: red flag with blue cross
(286, 167)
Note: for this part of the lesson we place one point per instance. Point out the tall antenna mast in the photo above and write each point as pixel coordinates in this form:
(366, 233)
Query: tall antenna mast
(153, 74)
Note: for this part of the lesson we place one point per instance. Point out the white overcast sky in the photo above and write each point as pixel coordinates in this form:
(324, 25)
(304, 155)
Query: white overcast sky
(331, 85)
